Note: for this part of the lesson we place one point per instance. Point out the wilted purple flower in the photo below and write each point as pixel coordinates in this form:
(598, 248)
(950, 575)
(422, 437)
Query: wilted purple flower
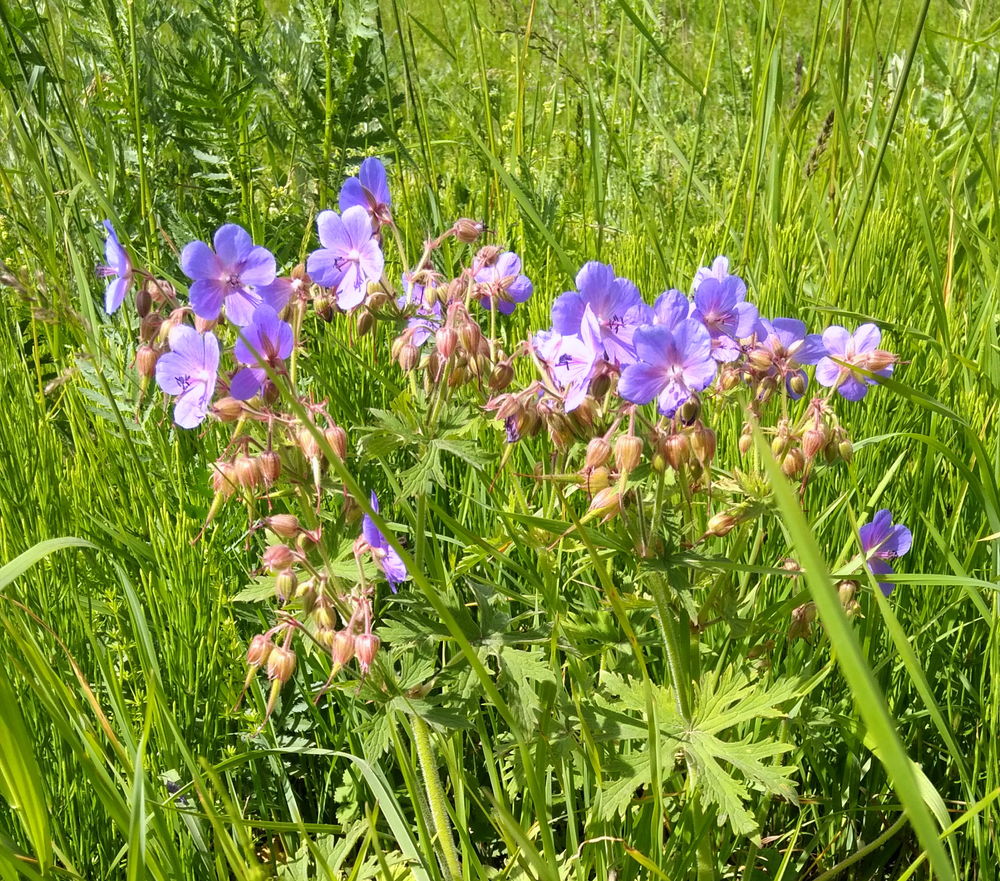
(118, 265)
(719, 270)
(789, 346)
(232, 275)
(670, 308)
(265, 340)
(859, 349)
(370, 190)
(673, 363)
(504, 282)
(383, 554)
(616, 304)
(720, 306)
(189, 371)
(350, 256)
(573, 359)
(881, 540)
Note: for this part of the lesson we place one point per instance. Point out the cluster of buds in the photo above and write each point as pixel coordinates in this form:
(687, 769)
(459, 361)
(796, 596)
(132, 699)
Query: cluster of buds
(680, 446)
(818, 437)
(152, 300)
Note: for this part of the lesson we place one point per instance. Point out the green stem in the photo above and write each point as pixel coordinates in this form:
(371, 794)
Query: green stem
(436, 797)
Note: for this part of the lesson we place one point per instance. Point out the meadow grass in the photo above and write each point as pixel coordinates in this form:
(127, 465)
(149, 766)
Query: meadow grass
(843, 155)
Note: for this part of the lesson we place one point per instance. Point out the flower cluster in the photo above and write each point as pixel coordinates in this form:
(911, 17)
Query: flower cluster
(586, 382)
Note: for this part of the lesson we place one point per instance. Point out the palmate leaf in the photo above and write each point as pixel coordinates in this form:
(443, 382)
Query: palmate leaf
(723, 770)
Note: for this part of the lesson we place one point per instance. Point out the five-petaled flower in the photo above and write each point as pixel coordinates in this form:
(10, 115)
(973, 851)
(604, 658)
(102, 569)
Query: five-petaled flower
(189, 371)
(266, 340)
(572, 360)
(674, 363)
(235, 275)
(350, 256)
(616, 303)
(845, 352)
(383, 554)
(117, 265)
(788, 346)
(369, 190)
(502, 282)
(881, 541)
(721, 307)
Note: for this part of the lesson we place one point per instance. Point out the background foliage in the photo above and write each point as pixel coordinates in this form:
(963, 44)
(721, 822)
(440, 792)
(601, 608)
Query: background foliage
(842, 154)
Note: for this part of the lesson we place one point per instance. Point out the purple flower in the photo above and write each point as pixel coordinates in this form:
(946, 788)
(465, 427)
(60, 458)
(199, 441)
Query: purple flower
(267, 340)
(384, 556)
(859, 349)
(504, 282)
(789, 346)
(616, 303)
(673, 364)
(350, 256)
(881, 540)
(427, 318)
(719, 270)
(233, 275)
(720, 306)
(369, 190)
(573, 360)
(670, 308)
(189, 371)
(118, 265)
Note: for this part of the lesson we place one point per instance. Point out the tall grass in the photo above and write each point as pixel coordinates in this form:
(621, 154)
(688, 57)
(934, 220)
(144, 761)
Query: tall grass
(843, 155)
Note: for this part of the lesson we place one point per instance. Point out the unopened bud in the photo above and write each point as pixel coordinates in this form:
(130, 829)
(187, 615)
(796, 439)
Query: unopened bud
(721, 524)
(676, 449)
(277, 558)
(227, 409)
(323, 306)
(703, 444)
(145, 360)
(150, 327)
(813, 441)
(223, 479)
(729, 378)
(598, 453)
(802, 621)
(760, 359)
(487, 256)
(446, 340)
(285, 583)
(280, 664)
(845, 449)
(600, 385)
(467, 231)
(204, 325)
(366, 321)
(745, 442)
(143, 302)
(283, 525)
(607, 501)
(780, 444)
(409, 357)
(366, 646)
(879, 360)
(846, 591)
(247, 471)
(336, 437)
(307, 443)
(689, 410)
(628, 453)
(342, 648)
(270, 467)
(501, 377)
(793, 463)
(595, 479)
(258, 650)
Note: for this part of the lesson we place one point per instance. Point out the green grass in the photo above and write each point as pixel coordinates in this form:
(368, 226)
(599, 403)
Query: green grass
(533, 714)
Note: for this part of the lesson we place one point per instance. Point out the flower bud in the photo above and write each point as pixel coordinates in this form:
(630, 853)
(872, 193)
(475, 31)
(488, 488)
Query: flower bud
(628, 453)
(813, 441)
(846, 591)
(283, 525)
(780, 443)
(366, 646)
(336, 437)
(845, 449)
(324, 636)
(793, 463)
(760, 359)
(323, 307)
(746, 440)
(342, 648)
(307, 443)
(227, 409)
(269, 463)
(247, 471)
(703, 444)
(446, 340)
(143, 302)
(366, 321)
(409, 357)
(598, 453)
(689, 410)
(600, 385)
(285, 583)
(204, 325)
(676, 449)
(258, 650)
(467, 231)
(802, 621)
(487, 256)
(469, 335)
(280, 664)
(607, 501)
(595, 479)
(879, 360)
(277, 558)
(161, 291)
(797, 383)
(150, 327)
(502, 376)
(729, 378)
(721, 524)
(145, 360)
(223, 479)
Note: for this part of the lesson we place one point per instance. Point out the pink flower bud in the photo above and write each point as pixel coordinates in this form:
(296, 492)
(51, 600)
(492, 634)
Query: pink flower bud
(145, 360)
(280, 664)
(467, 231)
(258, 650)
(628, 453)
(366, 646)
(598, 453)
(278, 557)
(342, 648)
(227, 409)
(283, 525)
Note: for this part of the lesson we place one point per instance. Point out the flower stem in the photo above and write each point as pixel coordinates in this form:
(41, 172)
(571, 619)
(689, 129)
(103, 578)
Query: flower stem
(436, 797)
